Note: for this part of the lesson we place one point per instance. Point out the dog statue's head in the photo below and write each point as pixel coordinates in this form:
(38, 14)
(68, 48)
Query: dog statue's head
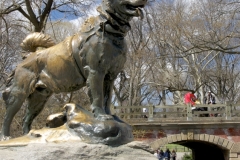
(124, 10)
(118, 13)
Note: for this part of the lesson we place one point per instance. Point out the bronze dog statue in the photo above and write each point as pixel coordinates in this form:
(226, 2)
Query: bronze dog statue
(92, 57)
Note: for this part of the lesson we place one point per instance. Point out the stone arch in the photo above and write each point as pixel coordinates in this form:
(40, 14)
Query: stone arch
(225, 145)
(219, 141)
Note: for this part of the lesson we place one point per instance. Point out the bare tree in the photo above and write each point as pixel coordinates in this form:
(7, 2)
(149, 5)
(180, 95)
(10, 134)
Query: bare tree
(130, 88)
(38, 12)
(186, 49)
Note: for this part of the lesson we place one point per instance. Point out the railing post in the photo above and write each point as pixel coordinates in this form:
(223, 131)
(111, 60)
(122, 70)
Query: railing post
(228, 110)
(189, 112)
(150, 113)
(128, 113)
(164, 111)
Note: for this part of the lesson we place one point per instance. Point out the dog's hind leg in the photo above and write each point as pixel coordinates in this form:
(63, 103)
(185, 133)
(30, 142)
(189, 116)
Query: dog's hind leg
(36, 102)
(14, 98)
(20, 86)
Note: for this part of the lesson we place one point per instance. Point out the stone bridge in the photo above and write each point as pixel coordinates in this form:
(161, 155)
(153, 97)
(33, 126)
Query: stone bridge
(211, 135)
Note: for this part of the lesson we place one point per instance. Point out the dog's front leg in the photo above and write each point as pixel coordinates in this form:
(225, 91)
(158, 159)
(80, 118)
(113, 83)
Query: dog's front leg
(95, 82)
(108, 87)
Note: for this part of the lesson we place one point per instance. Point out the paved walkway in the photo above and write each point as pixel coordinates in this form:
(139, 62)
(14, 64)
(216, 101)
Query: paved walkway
(180, 155)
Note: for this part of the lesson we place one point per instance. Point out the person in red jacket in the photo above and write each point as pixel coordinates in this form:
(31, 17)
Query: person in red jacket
(190, 98)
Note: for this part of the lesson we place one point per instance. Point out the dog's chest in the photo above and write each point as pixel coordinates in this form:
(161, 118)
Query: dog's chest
(113, 52)
(106, 52)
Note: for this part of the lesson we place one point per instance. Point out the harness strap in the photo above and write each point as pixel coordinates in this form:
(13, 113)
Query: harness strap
(76, 56)
(78, 61)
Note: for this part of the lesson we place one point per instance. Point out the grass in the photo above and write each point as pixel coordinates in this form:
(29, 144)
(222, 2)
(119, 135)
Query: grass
(176, 147)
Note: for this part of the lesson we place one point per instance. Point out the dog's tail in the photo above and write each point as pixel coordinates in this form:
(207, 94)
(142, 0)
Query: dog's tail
(35, 40)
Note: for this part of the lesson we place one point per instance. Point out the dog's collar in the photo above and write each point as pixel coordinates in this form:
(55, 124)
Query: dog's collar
(109, 24)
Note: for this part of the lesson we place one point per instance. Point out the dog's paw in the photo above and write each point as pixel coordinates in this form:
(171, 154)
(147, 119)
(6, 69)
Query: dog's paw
(4, 138)
(100, 114)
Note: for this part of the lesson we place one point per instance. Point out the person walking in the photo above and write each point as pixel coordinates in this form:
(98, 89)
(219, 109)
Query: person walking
(189, 97)
(161, 155)
(210, 99)
(174, 155)
(167, 154)
(156, 154)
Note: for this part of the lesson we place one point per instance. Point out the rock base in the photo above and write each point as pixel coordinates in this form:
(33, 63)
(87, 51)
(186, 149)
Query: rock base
(78, 124)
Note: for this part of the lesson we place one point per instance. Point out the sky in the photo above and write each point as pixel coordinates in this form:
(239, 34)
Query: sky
(77, 20)
(90, 11)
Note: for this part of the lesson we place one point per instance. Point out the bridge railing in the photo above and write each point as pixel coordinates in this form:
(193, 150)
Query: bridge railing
(224, 112)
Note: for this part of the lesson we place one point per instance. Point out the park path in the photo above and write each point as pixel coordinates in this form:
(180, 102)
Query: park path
(180, 155)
